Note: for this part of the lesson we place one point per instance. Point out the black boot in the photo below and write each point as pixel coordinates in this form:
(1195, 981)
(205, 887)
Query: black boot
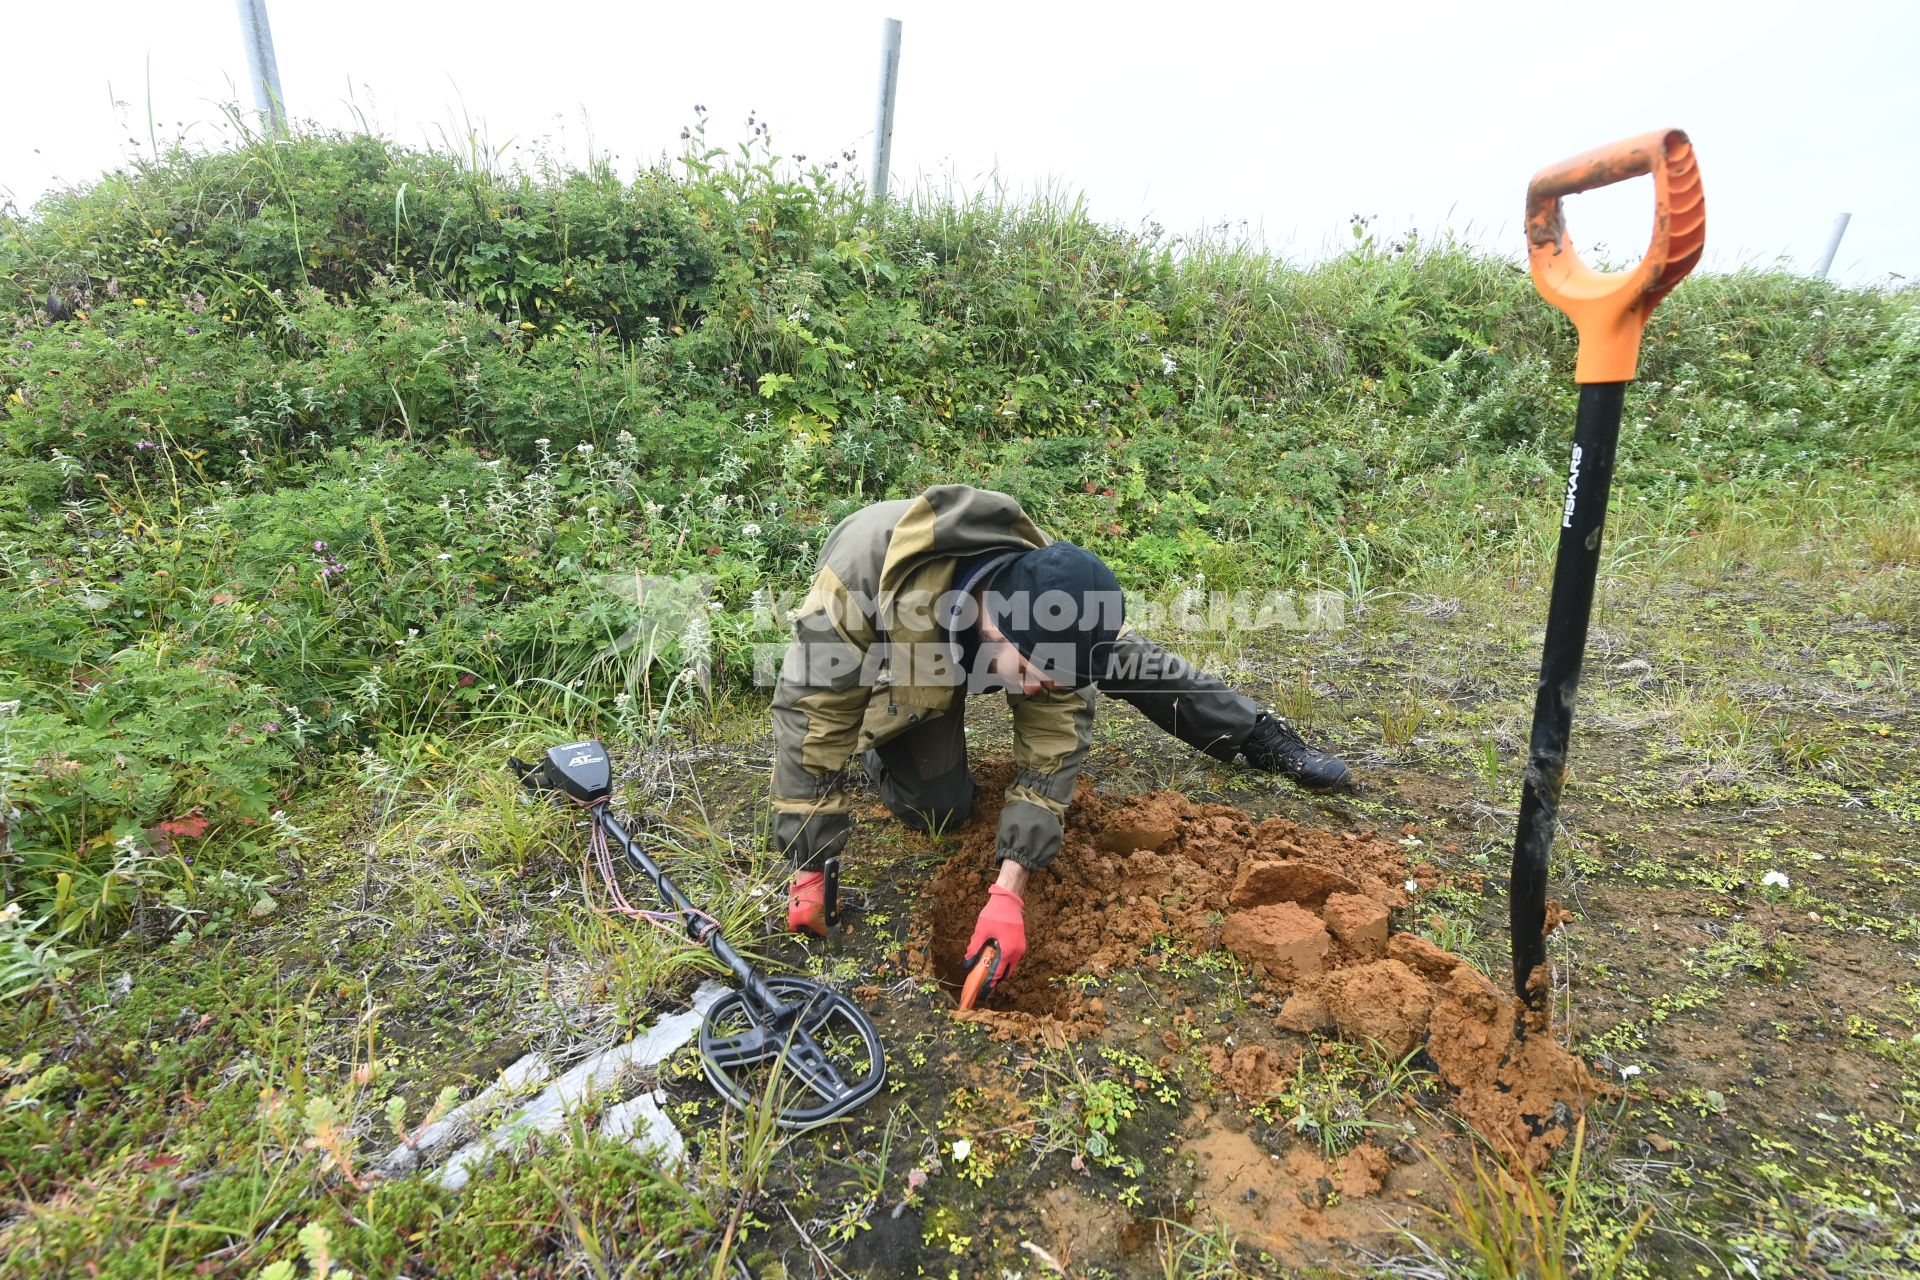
(1276, 748)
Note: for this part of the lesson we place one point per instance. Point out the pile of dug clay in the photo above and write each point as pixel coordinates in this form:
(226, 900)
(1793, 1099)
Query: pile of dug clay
(1309, 912)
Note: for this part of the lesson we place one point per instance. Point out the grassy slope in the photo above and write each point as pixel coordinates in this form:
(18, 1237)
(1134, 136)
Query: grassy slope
(339, 342)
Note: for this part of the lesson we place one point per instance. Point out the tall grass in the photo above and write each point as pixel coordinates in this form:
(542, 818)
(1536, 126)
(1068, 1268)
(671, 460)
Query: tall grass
(328, 445)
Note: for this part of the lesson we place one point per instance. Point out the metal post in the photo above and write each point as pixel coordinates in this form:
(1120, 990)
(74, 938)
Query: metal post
(1833, 245)
(883, 115)
(258, 36)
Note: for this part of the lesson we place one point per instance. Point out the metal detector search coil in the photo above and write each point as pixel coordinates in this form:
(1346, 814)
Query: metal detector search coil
(810, 1051)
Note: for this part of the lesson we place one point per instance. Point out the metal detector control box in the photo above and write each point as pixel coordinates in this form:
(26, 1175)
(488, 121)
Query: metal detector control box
(580, 769)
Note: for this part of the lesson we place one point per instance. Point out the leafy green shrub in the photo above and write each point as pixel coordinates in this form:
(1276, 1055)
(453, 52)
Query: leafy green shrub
(114, 783)
(360, 441)
(335, 212)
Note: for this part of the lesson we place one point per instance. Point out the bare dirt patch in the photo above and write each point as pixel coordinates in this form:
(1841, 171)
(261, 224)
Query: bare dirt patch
(1300, 1207)
(1309, 911)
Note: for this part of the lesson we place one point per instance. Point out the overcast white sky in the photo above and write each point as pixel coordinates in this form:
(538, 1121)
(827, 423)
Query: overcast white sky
(1290, 117)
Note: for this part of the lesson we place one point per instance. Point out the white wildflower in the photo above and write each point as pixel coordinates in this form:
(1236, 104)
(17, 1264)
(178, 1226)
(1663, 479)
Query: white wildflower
(1774, 880)
(750, 530)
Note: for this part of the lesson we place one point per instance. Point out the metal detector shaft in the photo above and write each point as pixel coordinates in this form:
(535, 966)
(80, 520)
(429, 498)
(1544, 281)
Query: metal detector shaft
(755, 986)
(1596, 439)
(780, 1029)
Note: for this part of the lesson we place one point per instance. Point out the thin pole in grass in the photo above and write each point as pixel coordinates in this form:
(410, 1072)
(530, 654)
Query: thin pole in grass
(1833, 244)
(258, 37)
(883, 113)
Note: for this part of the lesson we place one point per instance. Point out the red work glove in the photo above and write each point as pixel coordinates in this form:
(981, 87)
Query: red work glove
(1002, 920)
(807, 904)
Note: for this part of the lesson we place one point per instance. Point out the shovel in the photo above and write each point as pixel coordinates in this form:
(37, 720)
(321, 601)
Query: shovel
(1609, 309)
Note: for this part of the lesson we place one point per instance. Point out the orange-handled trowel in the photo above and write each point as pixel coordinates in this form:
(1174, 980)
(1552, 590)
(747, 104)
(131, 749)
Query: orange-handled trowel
(981, 976)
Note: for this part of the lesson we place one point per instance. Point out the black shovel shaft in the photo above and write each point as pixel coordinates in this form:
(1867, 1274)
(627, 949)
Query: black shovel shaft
(1596, 439)
(749, 978)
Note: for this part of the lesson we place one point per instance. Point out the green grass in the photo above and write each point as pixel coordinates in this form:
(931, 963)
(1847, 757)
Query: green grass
(382, 433)
(333, 482)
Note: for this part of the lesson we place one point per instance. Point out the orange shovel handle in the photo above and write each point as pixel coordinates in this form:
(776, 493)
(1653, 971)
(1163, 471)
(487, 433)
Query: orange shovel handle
(1610, 308)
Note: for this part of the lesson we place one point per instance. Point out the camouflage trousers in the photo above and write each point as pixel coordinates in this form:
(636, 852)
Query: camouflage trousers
(922, 774)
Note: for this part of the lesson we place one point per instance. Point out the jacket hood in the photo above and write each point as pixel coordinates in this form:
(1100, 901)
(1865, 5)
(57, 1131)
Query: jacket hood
(955, 520)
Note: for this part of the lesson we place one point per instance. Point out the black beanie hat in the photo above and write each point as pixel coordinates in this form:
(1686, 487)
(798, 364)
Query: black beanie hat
(1061, 607)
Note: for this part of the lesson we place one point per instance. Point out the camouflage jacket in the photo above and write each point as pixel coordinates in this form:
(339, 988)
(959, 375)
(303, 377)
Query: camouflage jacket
(870, 660)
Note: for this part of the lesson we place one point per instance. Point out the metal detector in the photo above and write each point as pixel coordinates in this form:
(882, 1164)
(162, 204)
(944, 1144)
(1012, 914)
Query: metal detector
(807, 1048)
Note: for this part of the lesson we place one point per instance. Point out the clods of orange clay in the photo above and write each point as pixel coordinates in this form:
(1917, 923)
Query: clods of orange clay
(1307, 910)
(1148, 827)
(1299, 1208)
(1428, 959)
(1287, 880)
(1252, 1072)
(1359, 922)
(1384, 1002)
(1279, 939)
